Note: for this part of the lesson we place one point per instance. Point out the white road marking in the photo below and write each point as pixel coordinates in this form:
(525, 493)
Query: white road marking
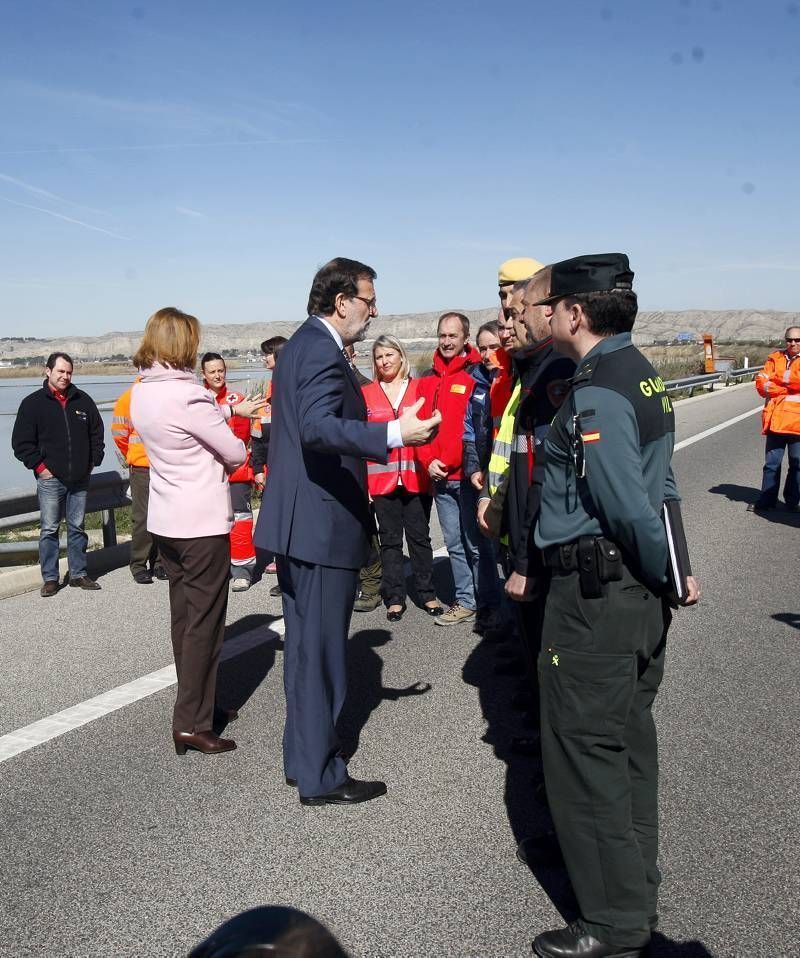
(37, 733)
(55, 725)
(710, 432)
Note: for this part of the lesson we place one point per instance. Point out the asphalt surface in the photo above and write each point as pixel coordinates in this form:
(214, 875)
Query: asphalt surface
(113, 845)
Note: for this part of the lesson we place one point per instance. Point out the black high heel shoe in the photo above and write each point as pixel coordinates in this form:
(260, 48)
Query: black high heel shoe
(396, 616)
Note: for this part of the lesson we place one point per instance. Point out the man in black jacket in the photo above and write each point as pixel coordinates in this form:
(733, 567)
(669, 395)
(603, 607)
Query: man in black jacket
(58, 434)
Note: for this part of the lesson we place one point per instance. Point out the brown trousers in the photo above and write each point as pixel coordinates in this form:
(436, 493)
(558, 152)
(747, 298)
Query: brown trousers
(198, 601)
(144, 553)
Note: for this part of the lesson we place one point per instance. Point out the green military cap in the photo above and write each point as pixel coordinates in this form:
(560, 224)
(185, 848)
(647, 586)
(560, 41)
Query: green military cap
(595, 273)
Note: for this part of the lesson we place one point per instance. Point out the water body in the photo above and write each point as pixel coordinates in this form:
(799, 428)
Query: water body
(105, 390)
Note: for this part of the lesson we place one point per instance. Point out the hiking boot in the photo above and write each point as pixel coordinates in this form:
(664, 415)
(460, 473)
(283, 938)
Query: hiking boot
(366, 603)
(455, 615)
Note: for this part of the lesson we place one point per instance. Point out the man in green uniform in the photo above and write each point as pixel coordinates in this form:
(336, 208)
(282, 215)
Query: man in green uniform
(607, 476)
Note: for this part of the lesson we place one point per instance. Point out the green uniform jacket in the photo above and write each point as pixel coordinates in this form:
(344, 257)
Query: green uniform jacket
(618, 429)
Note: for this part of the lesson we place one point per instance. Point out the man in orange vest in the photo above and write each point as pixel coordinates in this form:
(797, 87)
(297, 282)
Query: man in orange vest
(144, 564)
(779, 384)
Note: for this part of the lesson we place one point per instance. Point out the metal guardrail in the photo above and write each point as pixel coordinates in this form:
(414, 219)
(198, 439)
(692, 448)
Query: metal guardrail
(107, 491)
(709, 380)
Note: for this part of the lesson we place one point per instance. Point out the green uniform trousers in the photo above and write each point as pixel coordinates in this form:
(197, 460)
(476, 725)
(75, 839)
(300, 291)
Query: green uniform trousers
(600, 667)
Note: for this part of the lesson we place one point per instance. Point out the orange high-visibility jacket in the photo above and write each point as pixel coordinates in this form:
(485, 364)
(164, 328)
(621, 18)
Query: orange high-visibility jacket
(127, 439)
(403, 464)
(779, 384)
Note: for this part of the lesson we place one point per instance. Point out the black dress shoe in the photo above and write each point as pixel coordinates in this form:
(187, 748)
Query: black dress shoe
(159, 572)
(275, 590)
(350, 792)
(434, 610)
(143, 578)
(396, 614)
(575, 942)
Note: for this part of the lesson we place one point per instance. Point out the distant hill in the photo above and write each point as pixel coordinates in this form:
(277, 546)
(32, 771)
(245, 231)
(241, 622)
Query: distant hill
(416, 329)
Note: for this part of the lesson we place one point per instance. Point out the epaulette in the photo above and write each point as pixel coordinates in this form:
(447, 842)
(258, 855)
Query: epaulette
(585, 371)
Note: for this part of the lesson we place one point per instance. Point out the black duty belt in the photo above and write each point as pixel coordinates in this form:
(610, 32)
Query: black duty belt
(596, 559)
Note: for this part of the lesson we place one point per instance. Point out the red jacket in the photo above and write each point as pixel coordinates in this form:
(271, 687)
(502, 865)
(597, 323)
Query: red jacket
(404, 461)
(779, 384)
(447, 387)
(240, 426)
(501, 388)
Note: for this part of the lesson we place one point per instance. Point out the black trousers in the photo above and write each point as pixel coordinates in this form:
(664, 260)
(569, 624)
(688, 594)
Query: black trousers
(409, 512)
(198, 600)
(144, 553)
(600, 667)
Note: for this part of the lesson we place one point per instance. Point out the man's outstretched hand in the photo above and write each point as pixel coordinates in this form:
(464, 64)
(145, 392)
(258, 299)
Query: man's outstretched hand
(416, 432)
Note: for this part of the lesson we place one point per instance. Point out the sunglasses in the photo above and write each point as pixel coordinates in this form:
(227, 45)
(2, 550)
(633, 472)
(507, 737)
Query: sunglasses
(789, 339)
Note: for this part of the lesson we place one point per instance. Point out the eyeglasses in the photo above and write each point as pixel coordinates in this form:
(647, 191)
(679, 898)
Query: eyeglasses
(371, 304)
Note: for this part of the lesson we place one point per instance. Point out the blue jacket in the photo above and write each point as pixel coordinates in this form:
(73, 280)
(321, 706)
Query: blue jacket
(315, 505)
(478, 423)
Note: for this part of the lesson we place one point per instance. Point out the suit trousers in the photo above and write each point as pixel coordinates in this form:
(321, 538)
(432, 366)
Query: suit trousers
(600, 667)
(144, 553)
(198, 600)
(317, 605)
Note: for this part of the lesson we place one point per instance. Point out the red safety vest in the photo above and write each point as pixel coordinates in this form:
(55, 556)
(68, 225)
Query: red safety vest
(240, 426)
(403, 463)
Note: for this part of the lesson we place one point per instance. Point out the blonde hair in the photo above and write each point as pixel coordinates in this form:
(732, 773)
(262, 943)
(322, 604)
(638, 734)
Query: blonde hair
(171, 338)
(390, 342)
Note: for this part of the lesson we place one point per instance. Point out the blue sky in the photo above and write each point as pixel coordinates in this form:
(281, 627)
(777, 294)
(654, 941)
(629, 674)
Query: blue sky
(211, 156)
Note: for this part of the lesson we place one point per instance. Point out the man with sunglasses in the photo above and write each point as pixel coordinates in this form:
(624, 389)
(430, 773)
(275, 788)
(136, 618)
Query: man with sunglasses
(607, 476)
(779, 384)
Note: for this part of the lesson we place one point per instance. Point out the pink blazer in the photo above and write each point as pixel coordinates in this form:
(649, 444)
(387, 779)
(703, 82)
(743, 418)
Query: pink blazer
(191, 451)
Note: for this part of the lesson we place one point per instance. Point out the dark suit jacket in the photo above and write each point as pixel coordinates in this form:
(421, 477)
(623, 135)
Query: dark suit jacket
(315, 505)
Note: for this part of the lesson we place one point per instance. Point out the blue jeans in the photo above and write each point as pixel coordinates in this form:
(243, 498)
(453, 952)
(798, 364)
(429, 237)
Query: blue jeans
(57, 499)
(773, 457)
(484, 557)
(447, 495)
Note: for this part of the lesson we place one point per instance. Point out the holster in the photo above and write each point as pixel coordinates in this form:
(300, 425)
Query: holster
(588, 568)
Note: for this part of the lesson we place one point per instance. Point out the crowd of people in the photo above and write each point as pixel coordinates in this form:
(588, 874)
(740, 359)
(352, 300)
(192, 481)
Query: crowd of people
(545, 459)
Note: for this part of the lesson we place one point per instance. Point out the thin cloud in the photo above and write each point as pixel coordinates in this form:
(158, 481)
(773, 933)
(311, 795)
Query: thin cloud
(46, 194)
(185, 211)
(52, 150)
(67, 219)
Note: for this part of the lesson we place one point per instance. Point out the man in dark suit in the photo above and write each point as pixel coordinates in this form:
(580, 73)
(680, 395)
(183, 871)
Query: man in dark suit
(315, 517)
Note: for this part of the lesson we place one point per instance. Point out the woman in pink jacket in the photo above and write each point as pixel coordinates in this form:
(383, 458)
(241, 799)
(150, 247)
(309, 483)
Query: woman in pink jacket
(191, 451)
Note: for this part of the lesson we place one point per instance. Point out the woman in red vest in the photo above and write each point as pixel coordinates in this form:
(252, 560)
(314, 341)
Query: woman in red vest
(401, 489)
(243, 552)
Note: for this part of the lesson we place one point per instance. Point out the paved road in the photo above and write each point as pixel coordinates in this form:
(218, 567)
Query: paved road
(112, 845)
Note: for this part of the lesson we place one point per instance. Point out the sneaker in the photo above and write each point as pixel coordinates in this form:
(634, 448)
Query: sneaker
(271, 569)
(240, 585)
(366, 603)
(456, 614)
